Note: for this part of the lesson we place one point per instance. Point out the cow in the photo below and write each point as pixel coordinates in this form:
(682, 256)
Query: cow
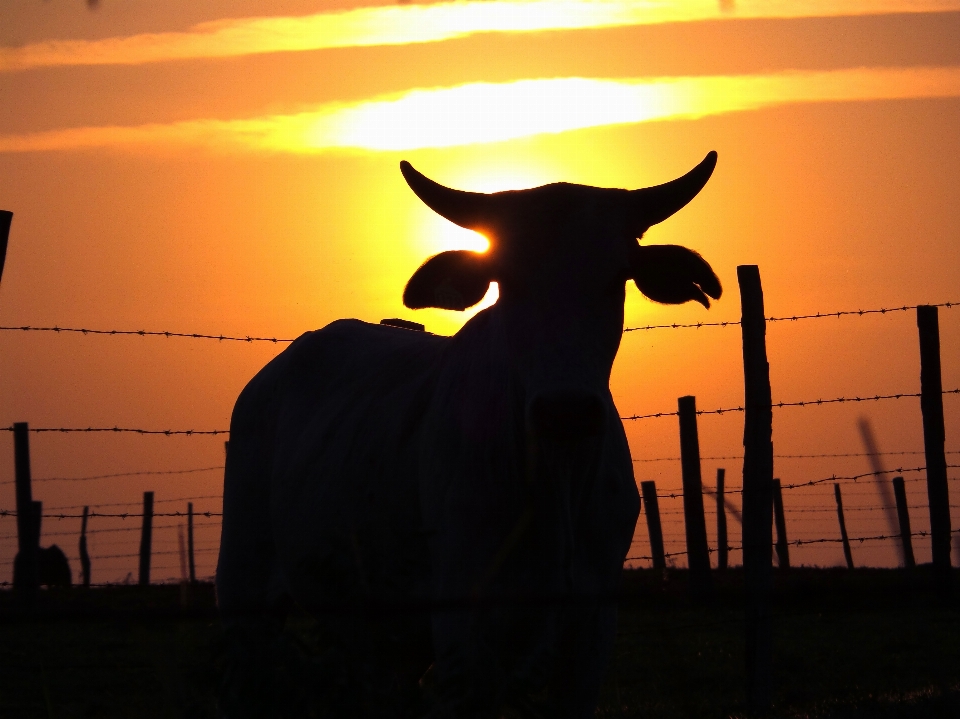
(54, 569)
(454, 511)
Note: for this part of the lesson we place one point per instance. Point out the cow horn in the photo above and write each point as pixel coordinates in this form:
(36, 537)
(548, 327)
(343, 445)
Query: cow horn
(467, 209)
(655, 204)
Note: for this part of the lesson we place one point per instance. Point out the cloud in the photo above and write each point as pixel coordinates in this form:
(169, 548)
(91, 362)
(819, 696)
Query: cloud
(400, 25)
(495, 112)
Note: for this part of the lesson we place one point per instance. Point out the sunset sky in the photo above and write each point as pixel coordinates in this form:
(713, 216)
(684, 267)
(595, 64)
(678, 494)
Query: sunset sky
(233, 168)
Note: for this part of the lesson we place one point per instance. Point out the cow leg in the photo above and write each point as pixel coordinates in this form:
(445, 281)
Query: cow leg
(374, 640)
(251, 595)
(584, 652)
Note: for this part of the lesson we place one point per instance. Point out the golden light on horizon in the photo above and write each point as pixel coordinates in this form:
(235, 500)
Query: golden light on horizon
(479, 113)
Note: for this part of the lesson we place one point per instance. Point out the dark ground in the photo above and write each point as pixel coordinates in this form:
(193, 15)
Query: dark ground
(867, 643)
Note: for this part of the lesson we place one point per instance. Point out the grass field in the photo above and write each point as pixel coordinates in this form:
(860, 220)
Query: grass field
(867, 643)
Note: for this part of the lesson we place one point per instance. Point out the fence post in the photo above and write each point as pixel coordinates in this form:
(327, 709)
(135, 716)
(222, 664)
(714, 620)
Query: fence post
(145, 538)
(843, 527)
(652, 507)
(783, 544)
(84, 556)
(6, 218)
(193, 571)
(757, 488)
(903, 514)
(26, 571)
(931, 405)
(721, 521)
(698, 554)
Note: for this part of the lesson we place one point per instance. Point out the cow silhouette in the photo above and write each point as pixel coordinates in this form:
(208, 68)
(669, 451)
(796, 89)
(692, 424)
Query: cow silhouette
(454, 511)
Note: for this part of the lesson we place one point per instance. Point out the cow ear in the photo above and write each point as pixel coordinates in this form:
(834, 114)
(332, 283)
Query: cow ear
(673, 275)
(453, 280)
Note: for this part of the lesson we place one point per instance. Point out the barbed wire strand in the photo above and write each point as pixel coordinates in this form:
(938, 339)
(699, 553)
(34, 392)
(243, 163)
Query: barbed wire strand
(136, 503)
(795, 456)
(789, 318)
(802, 403)
(797, 485)
(134, 430)
(121, 515)
(799, 543)
(119, 474)
(286, 340)
(145, 333)
(667, 495)
(722, 410)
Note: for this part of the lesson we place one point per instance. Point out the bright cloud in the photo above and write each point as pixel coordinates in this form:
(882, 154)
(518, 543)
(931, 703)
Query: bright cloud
(487, 112)
(399, 25)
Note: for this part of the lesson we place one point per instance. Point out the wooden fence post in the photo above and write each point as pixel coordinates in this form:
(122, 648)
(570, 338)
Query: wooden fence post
(6, 218)
(146, 536)
(783, 544)
(843, 527)
(193, 570)
(757, 488)
(931, 406)
(84, 556)
(26, 571)
(721, 521)
(652, 508)
(903, 514)
(698, 554)
(36, 516)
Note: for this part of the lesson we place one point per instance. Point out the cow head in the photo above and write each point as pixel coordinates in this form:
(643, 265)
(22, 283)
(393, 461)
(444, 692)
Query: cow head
(561, 255)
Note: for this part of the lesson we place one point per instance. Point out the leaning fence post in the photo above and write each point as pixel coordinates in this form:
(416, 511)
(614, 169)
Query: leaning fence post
(26, 574)
(6, 218)
(652, 508)
(84, 556)
(193, 571)
(145, 538)
(843, 527)
(783, 544)
(721, 522)
(931, 406)
(698, 554)
(757, 487)
(903, 514)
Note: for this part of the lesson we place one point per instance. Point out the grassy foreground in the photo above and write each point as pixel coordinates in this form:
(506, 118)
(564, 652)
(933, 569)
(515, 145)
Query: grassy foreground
(867, 643)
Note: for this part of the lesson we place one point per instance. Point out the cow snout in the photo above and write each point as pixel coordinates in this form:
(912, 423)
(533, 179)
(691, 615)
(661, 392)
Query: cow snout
(566, 415)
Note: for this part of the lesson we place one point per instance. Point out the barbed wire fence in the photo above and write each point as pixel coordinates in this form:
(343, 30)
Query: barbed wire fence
(835, 479)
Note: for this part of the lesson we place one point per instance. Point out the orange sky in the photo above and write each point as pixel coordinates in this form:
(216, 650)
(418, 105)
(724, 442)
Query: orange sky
(177, 169)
